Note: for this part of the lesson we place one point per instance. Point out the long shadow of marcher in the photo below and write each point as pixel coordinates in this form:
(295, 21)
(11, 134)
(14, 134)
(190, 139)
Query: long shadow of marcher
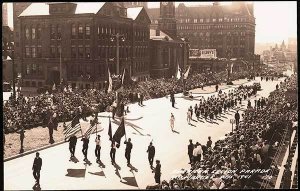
(101, 173)
(132, 168)
(36, 186)
(117, 168)
(175, 131)
(131, 181)
(76, 173)
(192, 125)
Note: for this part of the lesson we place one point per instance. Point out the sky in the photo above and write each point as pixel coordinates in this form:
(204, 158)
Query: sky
(275, 21)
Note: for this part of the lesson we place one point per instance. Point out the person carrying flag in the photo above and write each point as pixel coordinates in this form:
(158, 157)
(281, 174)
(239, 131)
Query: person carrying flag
(85, 146)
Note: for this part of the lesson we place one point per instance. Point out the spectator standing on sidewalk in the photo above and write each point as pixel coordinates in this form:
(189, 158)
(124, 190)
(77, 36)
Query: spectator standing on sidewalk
(172, 121)
(37, 165)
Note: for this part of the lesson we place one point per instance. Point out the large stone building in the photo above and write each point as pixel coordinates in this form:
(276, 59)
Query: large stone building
(92, 37)
(230, 29)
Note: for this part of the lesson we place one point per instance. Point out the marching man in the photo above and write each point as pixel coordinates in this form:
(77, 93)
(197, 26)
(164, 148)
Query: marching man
(172, 120)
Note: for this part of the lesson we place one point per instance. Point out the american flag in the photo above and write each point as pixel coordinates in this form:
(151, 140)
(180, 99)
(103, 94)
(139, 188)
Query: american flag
(72, 128)
(90, 130)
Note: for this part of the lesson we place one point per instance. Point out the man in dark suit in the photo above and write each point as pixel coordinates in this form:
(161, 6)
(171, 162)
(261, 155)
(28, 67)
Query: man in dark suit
(85, 147)
(113, 153)
(142, 98)
(72, 144)
(190, 151)
(172, 99)
(237, 118)
(151, 154)
(37, 165)
(157, 172)
(128, 150)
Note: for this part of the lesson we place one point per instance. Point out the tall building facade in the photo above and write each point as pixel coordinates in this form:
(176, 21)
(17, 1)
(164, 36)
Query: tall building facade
(92, 36)
(230, 29)
(4, 15)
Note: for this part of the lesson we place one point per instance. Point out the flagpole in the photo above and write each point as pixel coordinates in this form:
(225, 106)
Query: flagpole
(124, 128)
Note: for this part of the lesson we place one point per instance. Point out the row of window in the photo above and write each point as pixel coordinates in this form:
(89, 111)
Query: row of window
(33, 32)
(33, 52)
(199, 27)
(218, 34)
(207, 20)
(34, 69)
(85, 52)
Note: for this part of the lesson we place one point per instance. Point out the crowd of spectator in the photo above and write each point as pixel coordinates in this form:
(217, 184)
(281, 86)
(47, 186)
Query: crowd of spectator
(29, 112)
(250, 146)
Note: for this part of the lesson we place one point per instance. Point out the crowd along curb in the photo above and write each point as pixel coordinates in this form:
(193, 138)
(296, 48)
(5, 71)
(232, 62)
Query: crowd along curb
(41, 148)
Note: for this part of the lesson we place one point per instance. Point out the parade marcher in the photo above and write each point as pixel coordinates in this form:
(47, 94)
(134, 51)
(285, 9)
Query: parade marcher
(142, 98)
(157, 172)
(85, 147)
(172, 99)
(172, 121)
(217, 88)
(191, 110)
(151, 154)
(190, 151)
(72, 145)
(189, 117)
(209, 142)
(98, 148)
(22, 136)
(37, 165)
(195, 108)
(128, 150)
(113, 153)
(277, 86)
(237, 118)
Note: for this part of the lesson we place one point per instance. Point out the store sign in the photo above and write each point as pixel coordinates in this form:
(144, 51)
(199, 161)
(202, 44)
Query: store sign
(208, 53)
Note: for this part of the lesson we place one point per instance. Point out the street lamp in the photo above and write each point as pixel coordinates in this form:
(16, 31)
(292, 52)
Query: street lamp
(11, 48)
(117, 36)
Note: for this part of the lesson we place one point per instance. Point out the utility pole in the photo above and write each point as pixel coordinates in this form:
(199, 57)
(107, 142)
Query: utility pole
(13, 71)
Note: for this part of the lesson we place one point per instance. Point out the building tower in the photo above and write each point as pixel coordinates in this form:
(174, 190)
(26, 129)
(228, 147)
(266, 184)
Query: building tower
(136, 4)
(167, 20)
(18, 8)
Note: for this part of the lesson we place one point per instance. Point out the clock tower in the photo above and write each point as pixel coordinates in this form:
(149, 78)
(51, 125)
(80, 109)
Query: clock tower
(167, 21)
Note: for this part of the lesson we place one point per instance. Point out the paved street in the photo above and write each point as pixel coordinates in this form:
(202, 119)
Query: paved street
(150, 122)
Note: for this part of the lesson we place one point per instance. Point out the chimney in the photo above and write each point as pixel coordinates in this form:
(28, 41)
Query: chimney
(157, 32)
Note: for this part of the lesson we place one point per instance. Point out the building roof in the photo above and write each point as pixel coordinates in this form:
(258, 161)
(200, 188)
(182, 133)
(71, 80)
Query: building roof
(134, 12)
(161, 36)
(43, 8)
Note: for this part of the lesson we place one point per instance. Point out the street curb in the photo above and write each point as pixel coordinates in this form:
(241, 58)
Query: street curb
(231, 86)
(39, 149)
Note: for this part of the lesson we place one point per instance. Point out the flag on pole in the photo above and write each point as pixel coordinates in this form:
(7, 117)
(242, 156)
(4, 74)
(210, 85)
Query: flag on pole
(72, 128)
(53, 87)
(109, 131)
(120, 132)
(123, 77)
(178, 72)
(90, 130)
(187, 73)
(109, 82)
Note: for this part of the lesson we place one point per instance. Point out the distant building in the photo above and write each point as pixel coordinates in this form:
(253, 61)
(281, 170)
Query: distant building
(86, 32)
(166, 53)
(136, 4)
(230, 29)
(292, 44)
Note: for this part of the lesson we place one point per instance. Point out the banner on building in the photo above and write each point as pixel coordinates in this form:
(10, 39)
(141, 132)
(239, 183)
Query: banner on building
(208, 53)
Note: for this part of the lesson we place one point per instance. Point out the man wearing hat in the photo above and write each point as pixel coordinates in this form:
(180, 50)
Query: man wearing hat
(128, 150)
(190, 151)
(98, 148)
(37, 165)
(157, 172)
(22, 136)
(151, 154)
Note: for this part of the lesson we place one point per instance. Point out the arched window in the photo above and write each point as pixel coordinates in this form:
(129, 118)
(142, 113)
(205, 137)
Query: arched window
(33, 33)
(27, 35)
(80, 31)
(73, 31)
